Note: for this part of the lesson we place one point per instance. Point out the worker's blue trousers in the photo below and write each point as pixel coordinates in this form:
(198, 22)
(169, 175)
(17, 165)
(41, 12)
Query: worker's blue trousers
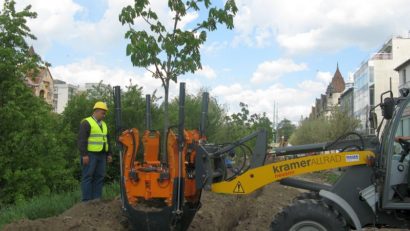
(92, 179)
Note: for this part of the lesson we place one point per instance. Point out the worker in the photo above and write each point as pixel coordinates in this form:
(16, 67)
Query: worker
(93, 143)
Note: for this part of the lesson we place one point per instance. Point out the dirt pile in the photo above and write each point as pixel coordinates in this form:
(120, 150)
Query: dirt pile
(219, 212)
(104, 215)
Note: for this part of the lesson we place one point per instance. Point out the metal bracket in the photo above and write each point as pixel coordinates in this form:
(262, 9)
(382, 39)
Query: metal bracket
(371, 196)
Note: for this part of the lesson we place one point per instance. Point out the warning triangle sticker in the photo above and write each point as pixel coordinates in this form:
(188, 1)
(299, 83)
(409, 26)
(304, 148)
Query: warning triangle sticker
(238, 188)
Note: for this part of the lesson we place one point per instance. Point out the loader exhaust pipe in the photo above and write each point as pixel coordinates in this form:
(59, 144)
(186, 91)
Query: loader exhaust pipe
(204, 114)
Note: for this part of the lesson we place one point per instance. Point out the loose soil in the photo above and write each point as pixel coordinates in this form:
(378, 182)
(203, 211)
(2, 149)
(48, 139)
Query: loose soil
(103, 215)
(219, 212)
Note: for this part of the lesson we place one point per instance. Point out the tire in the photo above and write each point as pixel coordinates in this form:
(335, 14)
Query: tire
(309, 215)
(307, 195)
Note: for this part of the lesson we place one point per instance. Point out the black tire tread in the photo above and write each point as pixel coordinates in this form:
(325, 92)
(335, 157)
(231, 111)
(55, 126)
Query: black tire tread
(309, 209)
(307, 195)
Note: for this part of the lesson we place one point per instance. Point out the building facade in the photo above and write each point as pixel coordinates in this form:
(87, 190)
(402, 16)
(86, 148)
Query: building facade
(41, 83)
(63, 92)
(346, 101)
(376, 76)
(404, 71)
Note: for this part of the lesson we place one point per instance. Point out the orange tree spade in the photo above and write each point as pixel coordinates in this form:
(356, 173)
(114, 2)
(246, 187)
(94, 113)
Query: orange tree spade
(168, 52)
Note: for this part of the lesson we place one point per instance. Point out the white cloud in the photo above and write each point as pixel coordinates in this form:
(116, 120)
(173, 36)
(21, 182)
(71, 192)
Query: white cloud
(272, 70)
(318, 85)
(301, 26)
(57, 23)
(292, 102)
(214, 47)
(207, 72)
(188, 18)
(89, 71)
(325, 77)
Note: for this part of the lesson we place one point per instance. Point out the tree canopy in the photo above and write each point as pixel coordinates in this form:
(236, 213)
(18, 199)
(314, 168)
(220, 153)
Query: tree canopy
(33, 141)
(324, 128)
(169, 52)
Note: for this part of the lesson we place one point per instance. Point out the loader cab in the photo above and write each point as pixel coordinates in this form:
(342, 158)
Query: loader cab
(394, 161)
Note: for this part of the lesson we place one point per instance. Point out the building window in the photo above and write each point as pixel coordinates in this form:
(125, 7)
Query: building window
(371, 92)
(371, 74)
(404, 76)
(42, 94)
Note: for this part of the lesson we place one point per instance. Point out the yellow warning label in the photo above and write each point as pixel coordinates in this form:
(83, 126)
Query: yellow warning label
(238, 188)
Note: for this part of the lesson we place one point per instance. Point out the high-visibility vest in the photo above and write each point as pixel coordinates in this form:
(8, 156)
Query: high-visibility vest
(98, 136)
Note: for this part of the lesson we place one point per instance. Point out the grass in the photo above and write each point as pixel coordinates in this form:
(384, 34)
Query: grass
(330, 176)
(49, 205)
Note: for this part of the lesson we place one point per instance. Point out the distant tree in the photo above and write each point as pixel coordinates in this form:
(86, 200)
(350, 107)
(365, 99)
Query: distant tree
(33, 141)
(285, 129)
(193, 105)
(171, 52)
(341, 122)
(324, 128)
(243, 123)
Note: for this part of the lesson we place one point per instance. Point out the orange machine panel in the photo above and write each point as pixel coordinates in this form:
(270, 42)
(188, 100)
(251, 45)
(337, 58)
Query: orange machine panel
(143, 179)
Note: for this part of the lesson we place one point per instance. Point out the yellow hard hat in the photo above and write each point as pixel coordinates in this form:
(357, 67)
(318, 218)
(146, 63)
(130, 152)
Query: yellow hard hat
(100, 105)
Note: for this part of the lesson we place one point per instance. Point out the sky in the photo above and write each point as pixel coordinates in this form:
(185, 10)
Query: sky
(282, 52)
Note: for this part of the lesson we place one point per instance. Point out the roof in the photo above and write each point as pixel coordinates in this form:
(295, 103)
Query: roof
(338, 83)
(405, 63)
(42, 72)
(31, 51)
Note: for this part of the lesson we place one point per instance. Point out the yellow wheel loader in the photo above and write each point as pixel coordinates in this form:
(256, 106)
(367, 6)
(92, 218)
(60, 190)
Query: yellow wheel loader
(372, 191)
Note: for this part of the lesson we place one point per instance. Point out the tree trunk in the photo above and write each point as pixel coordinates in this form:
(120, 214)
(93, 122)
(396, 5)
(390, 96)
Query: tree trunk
(164, 158)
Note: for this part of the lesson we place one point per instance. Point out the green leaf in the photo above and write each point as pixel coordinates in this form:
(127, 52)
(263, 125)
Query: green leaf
(129, 50)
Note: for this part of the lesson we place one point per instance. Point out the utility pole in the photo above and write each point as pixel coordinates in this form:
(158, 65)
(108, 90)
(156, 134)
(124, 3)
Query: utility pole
(275, 122)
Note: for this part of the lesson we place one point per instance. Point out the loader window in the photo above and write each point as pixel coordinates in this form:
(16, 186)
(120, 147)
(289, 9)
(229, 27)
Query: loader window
(404, 126)
(403, 129)
(398, 190)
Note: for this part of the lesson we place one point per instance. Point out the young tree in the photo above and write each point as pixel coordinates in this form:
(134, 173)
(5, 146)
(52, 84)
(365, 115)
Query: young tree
(171, 52)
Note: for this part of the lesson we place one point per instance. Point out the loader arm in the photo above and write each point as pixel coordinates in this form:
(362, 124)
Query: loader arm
(259, 177)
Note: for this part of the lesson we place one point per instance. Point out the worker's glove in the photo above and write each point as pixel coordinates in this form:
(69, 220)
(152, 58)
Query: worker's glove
(109, 158)
(85, 159)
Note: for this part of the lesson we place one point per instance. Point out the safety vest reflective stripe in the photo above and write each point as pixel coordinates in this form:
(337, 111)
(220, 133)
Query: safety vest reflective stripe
(100, 143)
(97, 135)
(97, 139)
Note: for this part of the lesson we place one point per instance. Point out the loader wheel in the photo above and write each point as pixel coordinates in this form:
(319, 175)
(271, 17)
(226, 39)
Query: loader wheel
(309, 215)
(307, 195)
